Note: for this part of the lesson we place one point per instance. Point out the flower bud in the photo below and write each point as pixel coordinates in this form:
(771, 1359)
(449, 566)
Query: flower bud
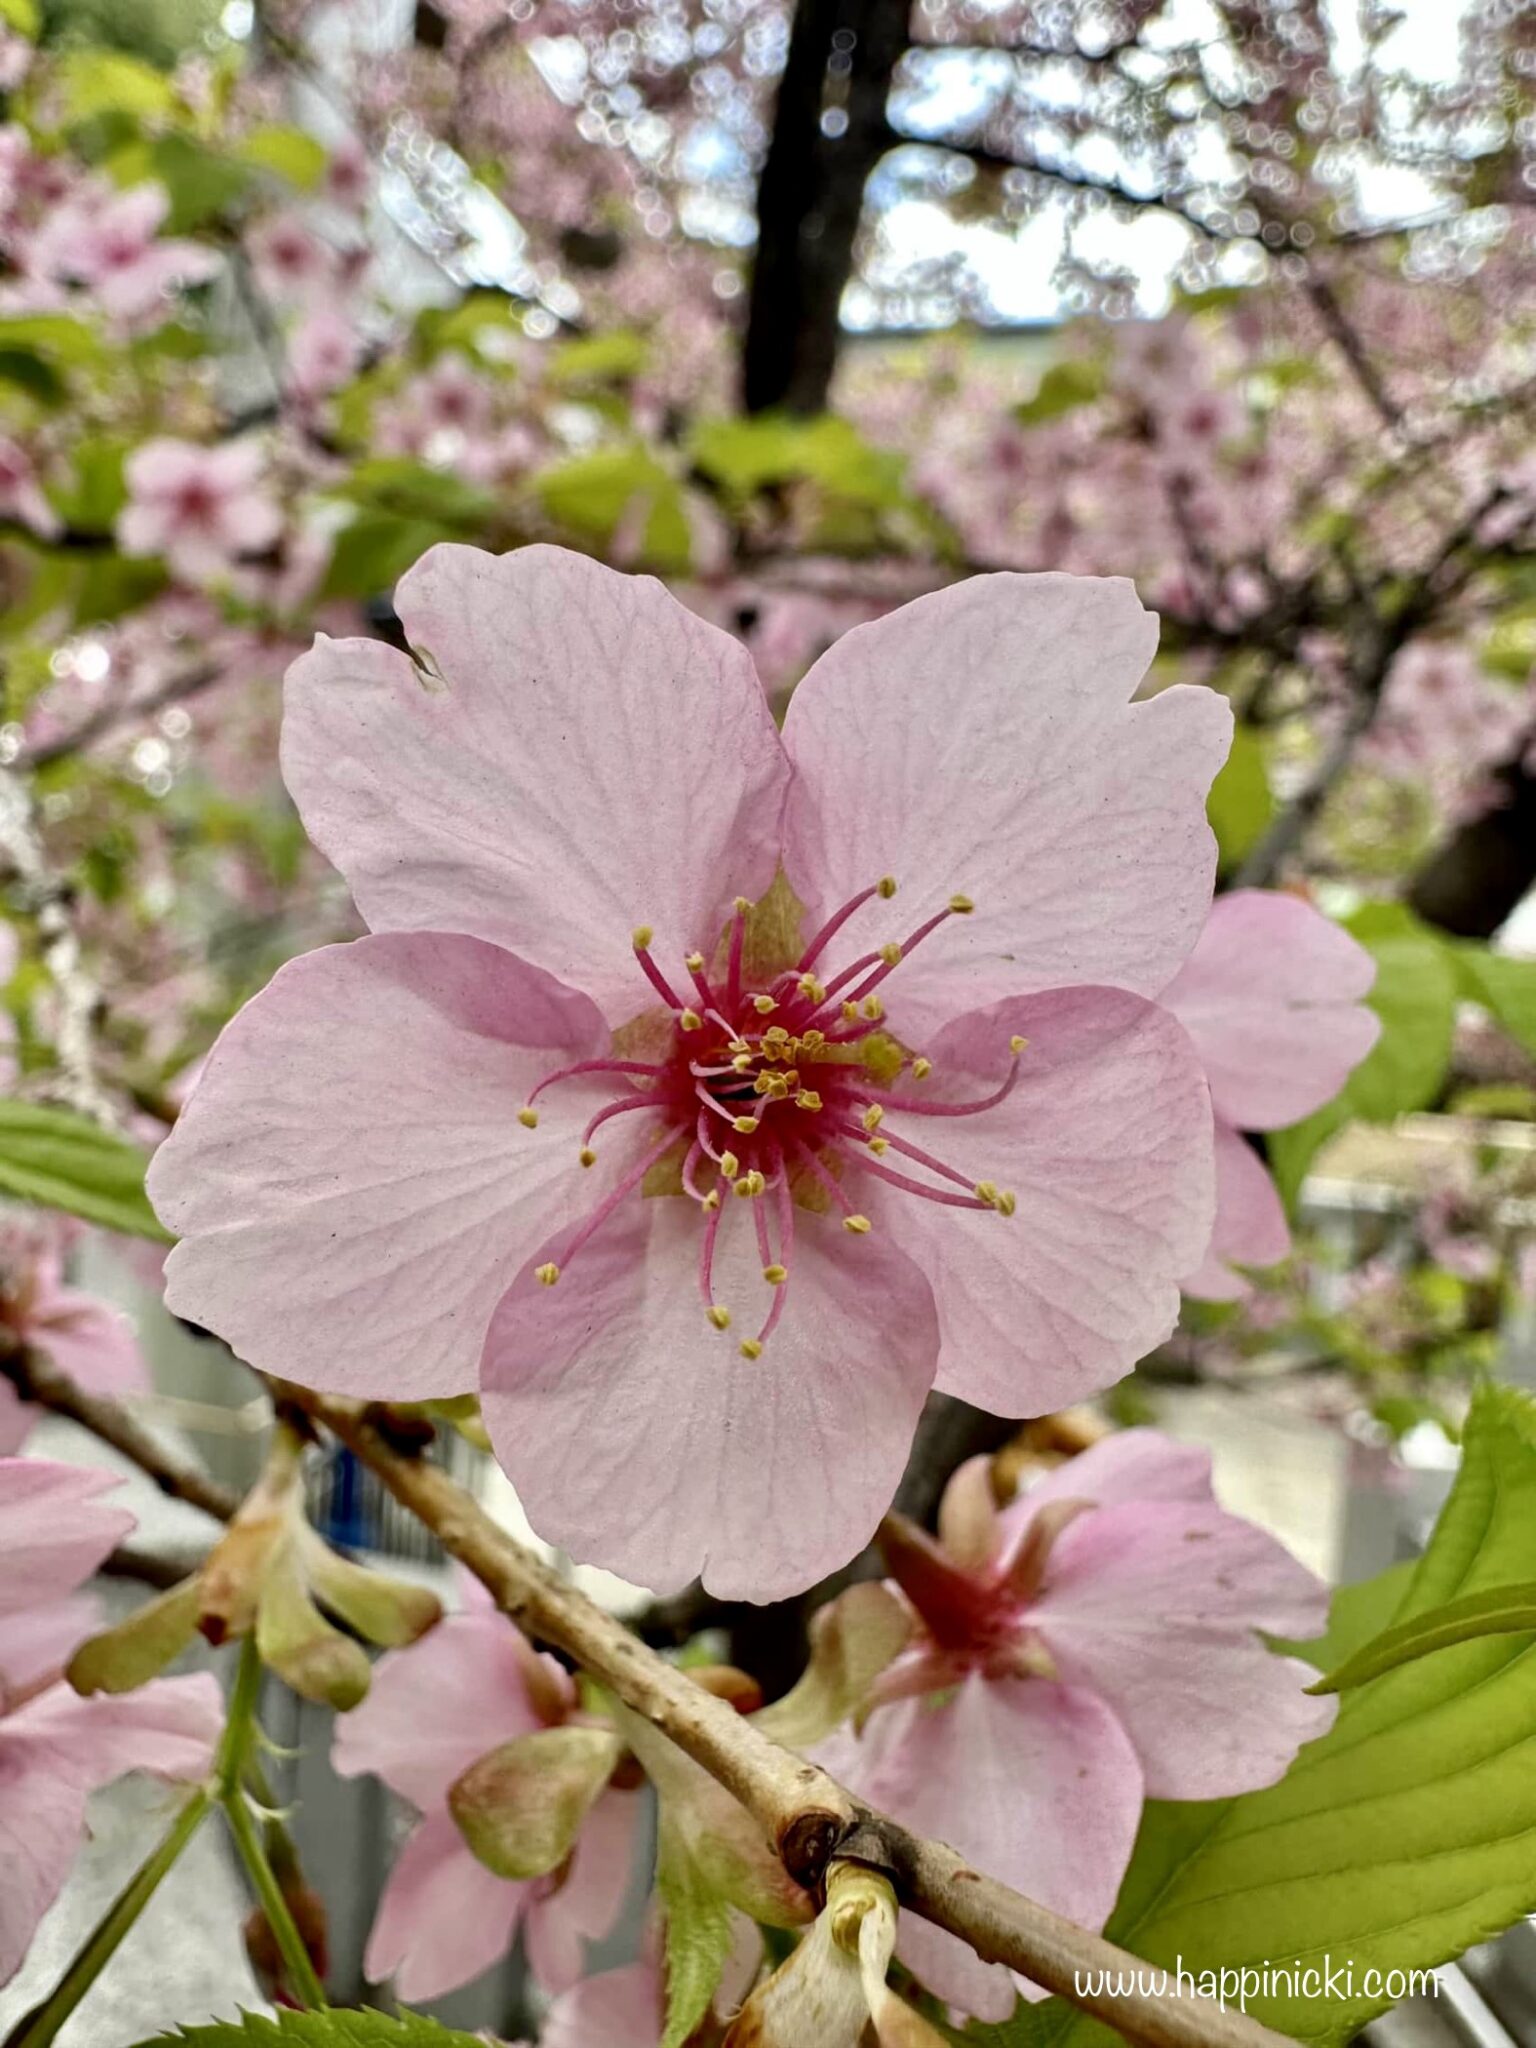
(833, 1987)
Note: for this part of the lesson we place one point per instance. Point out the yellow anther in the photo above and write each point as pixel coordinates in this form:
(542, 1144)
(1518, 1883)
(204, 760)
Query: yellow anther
(745, 1124)
(547, 1275)
(986, 1191)
(739, 1045)
(808, 1099)
(1006, 1203)
(775, 1034)
(851, 1012)
(711, 1201)
(873, 1117)
(754, 1182)
(529, 1119)
(775, 1275)
(744, 1187)
(811, 989)
(694, 963)
(1016, 1044)
(891, 954)
(921, 1069)
(859, 1225)
(872, 1008)
(742, 906)
(879, 1145)
(730, 1165)
(588, 1156)
(641, 937)
(743, 1063)
(751, 1348)
(764, 1005)
(720, 1317)
(962, 906)
(886, 887)
(813, 1041)
(689, 1020)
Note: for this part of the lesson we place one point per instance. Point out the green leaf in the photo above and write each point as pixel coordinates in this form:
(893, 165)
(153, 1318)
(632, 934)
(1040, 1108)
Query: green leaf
(414, 490)
(1506, 988)
(590, 494)
(30, 373)
(24, 16)
(1063, 388)
(55, 335)
(333, 2029)
(373, 552)
(609, 358)
(1415, 996)
(63, 1161)
(1241, 803)
(1501, 1611)
(1398, 1839)
(290, 153)
(201, 183)
(745, 456)
(93, 81)
(698, 1938)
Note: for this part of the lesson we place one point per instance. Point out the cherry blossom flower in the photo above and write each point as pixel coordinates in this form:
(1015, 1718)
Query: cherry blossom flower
(109, 243)
(200, 508)
(435, 1709)
(1272, 997)
(292, 265)
(87, 1339)
(323, 352)
(1090, 1646)
(55, 1748)
(568, 1118)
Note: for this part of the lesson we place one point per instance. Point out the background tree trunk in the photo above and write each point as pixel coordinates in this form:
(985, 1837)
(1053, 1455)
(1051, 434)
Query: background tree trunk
(811, 194)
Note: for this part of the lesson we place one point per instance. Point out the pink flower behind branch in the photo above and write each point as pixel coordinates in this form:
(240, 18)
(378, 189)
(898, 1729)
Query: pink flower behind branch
(1273, 998)
(201, 508)
(85, 1338)
(1093, 1645)
(433, 1710)
(708, 1195)
(108, 244)
(55, 1748)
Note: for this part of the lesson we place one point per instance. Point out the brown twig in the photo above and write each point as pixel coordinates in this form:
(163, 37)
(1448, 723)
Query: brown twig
(807, 1816)
(36, 1380)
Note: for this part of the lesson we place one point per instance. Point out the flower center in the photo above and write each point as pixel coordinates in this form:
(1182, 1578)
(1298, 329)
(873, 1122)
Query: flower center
(778, 1090)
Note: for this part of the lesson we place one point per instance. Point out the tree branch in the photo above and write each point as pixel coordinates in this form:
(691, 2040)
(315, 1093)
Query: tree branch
(38, 1381)
(809, 1818)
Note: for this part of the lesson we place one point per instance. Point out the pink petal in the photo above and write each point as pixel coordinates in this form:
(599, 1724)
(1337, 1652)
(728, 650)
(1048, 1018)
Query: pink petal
(1131, 1464)
(16, 1420)
(980, 741)
(352, 1184)
(36, 1641)
(58, 1749)
(1251, 1229)
(444, 1919)
(53, 1531)
(1154, 1605)
(94, 1343)
(248, 523)
(437, 1706)
(616, 2009)
(583, 757)
(1106, 1143)
(1034, 1783)
(159, 467)
(1271, 995)
(639, 1438)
